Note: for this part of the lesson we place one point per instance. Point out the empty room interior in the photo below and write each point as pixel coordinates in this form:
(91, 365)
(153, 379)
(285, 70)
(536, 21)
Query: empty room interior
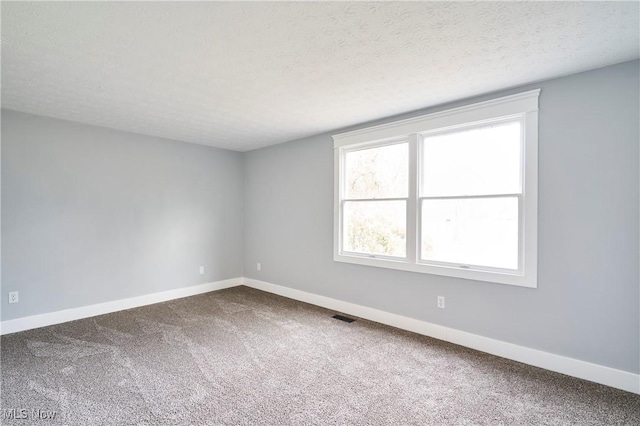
(312, 213)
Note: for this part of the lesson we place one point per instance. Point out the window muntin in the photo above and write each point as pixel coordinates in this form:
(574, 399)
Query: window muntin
(491, 191)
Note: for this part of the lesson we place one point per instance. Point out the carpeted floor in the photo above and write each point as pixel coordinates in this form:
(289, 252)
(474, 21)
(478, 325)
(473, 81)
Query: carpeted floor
(241, 356)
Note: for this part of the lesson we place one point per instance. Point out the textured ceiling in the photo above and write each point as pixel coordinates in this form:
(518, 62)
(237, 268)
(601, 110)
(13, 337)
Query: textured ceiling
(246, 75)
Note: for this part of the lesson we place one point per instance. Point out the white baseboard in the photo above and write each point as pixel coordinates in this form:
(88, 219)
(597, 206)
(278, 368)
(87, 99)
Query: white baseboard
(51, 318)
(572, 367)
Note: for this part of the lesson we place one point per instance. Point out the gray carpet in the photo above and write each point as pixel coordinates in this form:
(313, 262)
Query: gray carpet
(241, 356)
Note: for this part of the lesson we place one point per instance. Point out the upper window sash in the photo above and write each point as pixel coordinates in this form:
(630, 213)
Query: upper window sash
(344, 193)
(503, 121)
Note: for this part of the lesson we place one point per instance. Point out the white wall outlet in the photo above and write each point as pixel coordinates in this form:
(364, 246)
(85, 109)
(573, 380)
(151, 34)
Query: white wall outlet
(441, 302)
(13, 297)
(258, 266)
(201, 270)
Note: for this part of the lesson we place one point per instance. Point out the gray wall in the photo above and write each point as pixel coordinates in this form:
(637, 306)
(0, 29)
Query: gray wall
(91, 215)
(586, 305)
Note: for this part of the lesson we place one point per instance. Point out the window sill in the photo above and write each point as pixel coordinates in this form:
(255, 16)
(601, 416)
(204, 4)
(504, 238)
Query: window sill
(527, 280)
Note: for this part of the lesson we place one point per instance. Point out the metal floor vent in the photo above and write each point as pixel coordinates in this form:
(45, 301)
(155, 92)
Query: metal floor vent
(343, 318)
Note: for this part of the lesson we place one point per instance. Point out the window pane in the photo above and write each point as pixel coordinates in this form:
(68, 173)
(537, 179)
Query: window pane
(478, 231)
(381, 172)
(375, 227)
(481, 161)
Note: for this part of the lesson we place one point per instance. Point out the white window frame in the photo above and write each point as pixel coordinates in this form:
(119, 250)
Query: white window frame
(523, 107)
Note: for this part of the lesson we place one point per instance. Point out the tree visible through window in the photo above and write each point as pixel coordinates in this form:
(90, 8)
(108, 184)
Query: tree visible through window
(375, 204)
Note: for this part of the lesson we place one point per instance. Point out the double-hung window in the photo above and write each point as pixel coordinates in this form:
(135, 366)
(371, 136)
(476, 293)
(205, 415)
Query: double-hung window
(452, 193)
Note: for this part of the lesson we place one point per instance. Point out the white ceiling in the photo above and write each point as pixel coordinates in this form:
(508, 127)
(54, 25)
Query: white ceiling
(246, 75)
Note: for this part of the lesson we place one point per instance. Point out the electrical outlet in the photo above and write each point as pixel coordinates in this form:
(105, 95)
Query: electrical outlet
(258, 266)
(201, 270)
(13, 297)
(441, 302)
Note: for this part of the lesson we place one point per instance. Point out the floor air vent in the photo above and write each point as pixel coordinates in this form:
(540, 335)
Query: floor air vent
(343, 318)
